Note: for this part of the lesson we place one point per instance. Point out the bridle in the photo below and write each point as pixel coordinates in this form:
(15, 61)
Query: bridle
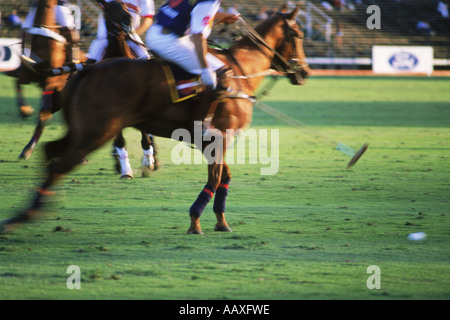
(279, 63)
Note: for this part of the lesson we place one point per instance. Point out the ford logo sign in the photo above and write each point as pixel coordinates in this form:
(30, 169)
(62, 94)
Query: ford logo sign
(403, 61)
(5, 53)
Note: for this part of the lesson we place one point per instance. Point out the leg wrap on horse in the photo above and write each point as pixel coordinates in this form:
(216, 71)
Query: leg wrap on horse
(47, 105)
(47, 101)
(202, 200)
(125, 166)
(221, 197)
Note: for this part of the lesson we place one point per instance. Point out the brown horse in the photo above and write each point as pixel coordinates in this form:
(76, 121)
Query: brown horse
(132, 93)
(52, 45)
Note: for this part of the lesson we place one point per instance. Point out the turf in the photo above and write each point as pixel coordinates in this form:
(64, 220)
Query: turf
(310, 231)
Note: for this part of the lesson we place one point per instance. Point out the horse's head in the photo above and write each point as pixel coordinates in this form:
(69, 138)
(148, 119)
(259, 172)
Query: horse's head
(290, 57)
(117, 18)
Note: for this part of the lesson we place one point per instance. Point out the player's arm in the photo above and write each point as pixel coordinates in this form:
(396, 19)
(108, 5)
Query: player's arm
(146, 22)
(224, 17)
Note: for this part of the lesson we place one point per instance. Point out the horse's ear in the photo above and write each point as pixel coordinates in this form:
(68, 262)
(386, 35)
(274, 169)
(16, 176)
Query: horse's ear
(294, 13)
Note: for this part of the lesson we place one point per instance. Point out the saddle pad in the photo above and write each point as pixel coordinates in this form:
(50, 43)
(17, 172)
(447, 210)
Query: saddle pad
(182, 84)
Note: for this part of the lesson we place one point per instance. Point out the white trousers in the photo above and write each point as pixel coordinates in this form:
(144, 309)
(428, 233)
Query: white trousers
(179, 50)
(98, 46)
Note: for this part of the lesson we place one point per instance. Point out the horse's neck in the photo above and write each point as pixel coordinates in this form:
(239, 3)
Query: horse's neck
(117, 48)
(252, 63)
(45, 15)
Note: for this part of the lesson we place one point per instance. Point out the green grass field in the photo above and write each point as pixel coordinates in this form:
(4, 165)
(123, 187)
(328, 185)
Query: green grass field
(308, 232)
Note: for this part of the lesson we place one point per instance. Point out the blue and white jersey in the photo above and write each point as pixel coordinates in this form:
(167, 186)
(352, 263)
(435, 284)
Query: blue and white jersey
(188, 16)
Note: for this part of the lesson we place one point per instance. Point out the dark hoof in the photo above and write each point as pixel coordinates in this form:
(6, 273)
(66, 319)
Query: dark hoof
(223, 229)
(126, 177)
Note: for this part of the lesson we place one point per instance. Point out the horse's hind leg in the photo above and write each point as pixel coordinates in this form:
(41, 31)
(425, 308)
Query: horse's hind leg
(120, 154)
(55, 170)
(25, 110)
(29, 148)
(73, 154)
(44, 115)
(54, 149)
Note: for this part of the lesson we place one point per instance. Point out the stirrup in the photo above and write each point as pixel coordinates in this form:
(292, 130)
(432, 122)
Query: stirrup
(29, 63)
(231, 93)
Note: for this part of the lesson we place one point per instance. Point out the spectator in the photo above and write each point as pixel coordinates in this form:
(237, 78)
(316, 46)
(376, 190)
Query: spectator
(14, 20)
(262, 14)
(283, 8)
(337, 4)
(339, 35)
(272, 11)
(317, 33)
(442, 8)
(424, 28)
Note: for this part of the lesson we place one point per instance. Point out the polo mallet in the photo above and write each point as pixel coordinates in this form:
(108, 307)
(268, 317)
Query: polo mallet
(304, 128)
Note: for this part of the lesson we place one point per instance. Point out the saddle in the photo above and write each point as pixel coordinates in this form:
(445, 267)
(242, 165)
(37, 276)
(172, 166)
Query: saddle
(182, 84)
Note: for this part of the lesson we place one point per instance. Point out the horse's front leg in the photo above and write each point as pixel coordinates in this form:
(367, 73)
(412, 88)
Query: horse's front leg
(220, 200)
(120, 154)
(218, 180)
(205, 196)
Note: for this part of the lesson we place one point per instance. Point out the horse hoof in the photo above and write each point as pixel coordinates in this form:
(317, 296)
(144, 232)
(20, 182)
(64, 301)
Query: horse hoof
(156, 165)
(126, 177)
(26, 111)
(223, 228)
(146, 172)
(195, 231)
(25, 154)
(11, 224)
(8, 227)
